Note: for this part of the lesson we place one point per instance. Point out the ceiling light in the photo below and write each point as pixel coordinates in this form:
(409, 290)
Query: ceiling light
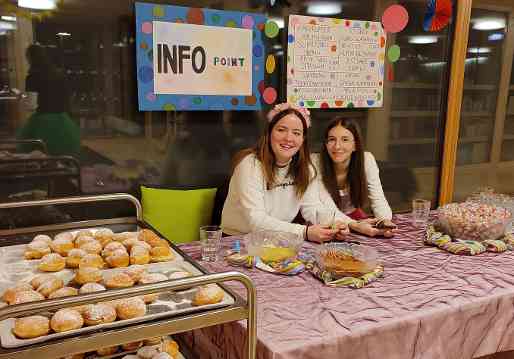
(8, 18)
(37, 4)
(497, 36)
(435, 64)
(324, 8)
(63, 34)
(422, 39)
(7, 25)
(2, 33)
(487, 24)
(479, 50)
(476, 60)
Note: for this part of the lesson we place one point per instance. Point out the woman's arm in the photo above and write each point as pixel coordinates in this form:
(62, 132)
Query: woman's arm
(378, 202)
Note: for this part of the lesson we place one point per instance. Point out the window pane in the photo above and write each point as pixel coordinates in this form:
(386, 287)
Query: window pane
(89, 49)
(483, 150)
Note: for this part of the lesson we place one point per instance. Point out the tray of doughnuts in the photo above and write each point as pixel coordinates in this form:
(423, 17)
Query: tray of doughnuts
(96, 246)
(87, 318)
(152, 348)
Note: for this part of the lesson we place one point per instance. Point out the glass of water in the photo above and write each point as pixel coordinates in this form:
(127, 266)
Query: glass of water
(325, 217)
(420, 212)
(210, 238)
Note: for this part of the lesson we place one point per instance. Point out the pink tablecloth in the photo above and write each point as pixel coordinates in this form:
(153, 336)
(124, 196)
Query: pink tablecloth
(430, 304)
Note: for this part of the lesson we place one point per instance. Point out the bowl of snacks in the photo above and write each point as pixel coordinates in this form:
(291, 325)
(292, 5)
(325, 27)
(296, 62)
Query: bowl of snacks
(473, 220)
(346, 259)
(273, 246)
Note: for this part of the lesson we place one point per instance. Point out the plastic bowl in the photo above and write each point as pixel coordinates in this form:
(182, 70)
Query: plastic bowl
(472, 220)
(346, 259)
(273, 246)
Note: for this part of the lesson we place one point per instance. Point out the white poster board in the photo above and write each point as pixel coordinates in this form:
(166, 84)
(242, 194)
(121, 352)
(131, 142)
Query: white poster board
(335, 63)
(201, 60)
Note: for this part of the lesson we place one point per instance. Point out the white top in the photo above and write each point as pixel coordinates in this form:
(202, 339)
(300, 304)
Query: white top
(376, 196)
(250, 206)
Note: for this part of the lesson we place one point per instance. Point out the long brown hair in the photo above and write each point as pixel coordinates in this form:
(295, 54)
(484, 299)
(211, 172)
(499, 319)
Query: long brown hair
(356, 176)
(299, 168)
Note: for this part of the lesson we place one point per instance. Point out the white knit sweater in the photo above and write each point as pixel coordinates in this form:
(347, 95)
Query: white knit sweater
(376, 196)
(250, 206)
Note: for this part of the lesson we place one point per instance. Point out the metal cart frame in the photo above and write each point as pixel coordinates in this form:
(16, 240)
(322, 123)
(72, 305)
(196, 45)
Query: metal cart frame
(240, 310)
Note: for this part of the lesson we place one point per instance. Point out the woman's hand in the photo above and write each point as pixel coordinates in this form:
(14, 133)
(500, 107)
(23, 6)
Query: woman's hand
(342, 230)
(367, 227)
(319, 234)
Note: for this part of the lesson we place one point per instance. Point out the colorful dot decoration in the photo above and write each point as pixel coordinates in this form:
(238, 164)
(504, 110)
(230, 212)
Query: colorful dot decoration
(395, 18)
(158, 11)
(290, 38)
(195, 16)
(393, 54)
(262, 93)
(147, 27)
(438, 15)
(271, 29)
(269, 95)
(248, 22)
(270, 64)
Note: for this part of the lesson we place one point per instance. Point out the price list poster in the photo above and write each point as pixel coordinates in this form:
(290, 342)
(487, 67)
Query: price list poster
(335, 63)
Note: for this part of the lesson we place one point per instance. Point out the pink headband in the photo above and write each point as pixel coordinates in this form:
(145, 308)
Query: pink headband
(286, 106)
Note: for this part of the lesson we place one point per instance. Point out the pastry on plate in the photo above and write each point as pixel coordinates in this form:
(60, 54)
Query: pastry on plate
(130, 308)
(10, 293)
(31, 327)
(147, 352)
(163, 355)
(62, 244)
(91, 288)
(66, 319)
(36, 250)
(80, 241)
(112, 247)
(92, 247)
(74, 257)
(118, 259)
(51, 285)
(42, 238)
(179, 275)
(208, 294)
(92, 260)
(104, 236)
(136, 271)
(88, 275)
(152, 341)
(52, 262)
(151, 238)
(120, 237)
(119, 280)
(63, 292)
(170, 346)
(95, 314)
(139, 255)
(161, 254)
(107, 351)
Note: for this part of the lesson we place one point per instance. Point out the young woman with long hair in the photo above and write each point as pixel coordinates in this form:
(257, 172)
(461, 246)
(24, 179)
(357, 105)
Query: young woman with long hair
(271, 181)
(350, 179)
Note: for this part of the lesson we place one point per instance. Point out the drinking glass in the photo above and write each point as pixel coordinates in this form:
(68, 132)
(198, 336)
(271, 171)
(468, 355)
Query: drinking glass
(210, 238)
(420, 212)
(325, 217)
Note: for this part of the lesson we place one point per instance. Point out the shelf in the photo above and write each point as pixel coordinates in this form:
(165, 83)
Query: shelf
(480, 87)
(474, 139)
(412, 141)
(415, 85)
(414, 113)
(477, 114)
(508, 137)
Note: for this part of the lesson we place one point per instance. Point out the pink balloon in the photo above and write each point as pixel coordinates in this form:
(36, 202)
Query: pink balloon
(395, 18)
(269, 95)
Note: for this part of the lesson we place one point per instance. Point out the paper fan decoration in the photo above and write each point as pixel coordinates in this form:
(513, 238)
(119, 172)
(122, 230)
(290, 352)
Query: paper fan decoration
(438, 15)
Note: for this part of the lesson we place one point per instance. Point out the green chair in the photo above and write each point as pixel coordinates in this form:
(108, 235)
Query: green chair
(177, 213)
